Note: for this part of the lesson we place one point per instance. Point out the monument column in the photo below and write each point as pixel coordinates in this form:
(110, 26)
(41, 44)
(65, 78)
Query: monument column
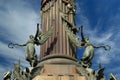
(58, 43)
(58, 40)
(58, 59)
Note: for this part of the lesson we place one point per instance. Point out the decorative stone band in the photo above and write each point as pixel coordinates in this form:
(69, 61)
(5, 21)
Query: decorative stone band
(56, 59)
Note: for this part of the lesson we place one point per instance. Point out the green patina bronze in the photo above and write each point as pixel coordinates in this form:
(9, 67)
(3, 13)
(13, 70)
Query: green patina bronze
(39, 39)
(89, 47)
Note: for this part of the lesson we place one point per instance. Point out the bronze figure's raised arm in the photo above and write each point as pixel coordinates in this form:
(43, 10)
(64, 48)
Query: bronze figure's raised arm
(89, 47)
(30, 53)
(39, 39)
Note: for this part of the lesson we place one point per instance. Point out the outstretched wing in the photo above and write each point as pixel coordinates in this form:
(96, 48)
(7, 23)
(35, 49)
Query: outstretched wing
(44, 36)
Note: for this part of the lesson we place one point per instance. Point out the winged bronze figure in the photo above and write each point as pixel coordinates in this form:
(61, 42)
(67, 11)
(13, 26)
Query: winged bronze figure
(39, 39)
(89, 47)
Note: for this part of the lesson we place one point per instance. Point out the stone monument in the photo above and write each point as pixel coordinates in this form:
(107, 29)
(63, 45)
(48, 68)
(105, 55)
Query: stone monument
(58, 42)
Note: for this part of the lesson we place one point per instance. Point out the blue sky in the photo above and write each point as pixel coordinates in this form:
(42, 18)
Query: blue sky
(100, 18)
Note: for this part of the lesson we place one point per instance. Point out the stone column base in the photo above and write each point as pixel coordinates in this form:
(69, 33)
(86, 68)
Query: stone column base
(59, 78)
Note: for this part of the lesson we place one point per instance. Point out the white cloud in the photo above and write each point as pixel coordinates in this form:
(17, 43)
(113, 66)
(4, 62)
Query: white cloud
(106, 38)
(109, 36)
(103, 56)
(115, 72)
(17, 21)
(117, 76)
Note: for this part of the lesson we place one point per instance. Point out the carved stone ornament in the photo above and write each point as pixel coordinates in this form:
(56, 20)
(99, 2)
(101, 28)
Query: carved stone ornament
(66, 1)
(43, 2)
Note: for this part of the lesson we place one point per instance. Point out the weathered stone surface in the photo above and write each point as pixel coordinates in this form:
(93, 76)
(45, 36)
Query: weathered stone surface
(59, 78)
(58, 43)
(59, 72)
(57, 69)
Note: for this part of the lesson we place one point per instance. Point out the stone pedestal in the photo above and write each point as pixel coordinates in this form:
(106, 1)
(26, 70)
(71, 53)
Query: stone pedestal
(59, 78)
(59, 72)
(59, 67)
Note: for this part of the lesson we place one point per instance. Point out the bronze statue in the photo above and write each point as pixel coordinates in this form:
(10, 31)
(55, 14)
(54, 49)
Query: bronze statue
(70, 12)
(89, 47)
(100, 73)
(27, 73)
(17, 72)
(7, 75)
(112, 77)
(71, 6)
(30, 54)
(39, 39)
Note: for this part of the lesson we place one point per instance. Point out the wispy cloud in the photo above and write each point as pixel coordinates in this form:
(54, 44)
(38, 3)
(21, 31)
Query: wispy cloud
(105, 31)
(17, 21)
